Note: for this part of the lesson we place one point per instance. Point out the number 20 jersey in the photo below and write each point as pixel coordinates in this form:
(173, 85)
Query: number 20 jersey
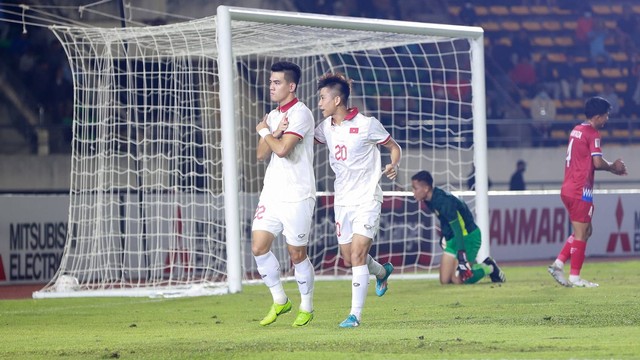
(354, 156)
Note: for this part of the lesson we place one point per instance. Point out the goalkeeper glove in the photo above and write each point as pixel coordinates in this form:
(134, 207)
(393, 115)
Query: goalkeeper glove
(464, 268)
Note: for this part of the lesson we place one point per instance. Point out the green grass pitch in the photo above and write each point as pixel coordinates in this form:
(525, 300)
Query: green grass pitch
(529, 317)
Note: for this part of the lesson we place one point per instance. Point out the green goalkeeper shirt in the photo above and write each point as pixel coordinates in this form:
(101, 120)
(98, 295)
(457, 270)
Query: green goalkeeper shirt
(456, 220)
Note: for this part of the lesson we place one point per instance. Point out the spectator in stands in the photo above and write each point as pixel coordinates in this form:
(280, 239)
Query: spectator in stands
(570, 78)
(626, 27)
(609, 94)
(543, 113)
(517, 178)
(524, 75)
(522, 45)
(597, 38)
(546, 74)
(468, 15)
(631, 97)
(584, 25)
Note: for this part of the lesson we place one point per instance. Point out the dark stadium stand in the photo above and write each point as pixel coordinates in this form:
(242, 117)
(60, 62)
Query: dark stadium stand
(552, 32)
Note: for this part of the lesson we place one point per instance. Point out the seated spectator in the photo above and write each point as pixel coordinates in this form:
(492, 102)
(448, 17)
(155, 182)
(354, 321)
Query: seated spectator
(468, 14)
(570, 79)
(609, 93)
(626, 27)
(524, 75)
(546, 74)
(597, 38)
(584, 25)
(543, 113)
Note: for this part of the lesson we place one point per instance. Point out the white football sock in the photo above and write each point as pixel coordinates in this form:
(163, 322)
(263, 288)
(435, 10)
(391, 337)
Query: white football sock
(359, 287)
(269, 269)
(304, 275)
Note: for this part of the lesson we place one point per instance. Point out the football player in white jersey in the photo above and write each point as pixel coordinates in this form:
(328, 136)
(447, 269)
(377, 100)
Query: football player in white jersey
(287, 199)
(353, 142)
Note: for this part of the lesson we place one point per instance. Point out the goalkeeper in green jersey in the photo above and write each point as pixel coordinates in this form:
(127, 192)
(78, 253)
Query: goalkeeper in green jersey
(462, 235)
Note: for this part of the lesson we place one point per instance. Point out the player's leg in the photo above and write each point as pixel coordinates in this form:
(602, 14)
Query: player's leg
(578, 247)
(448, 266)
(297, 224)
(556, 270)
(264, 230)
(366, 214)
(359, 250)
(472, 244)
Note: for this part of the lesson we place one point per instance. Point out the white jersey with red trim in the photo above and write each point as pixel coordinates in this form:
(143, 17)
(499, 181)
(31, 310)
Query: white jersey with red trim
(291, 178)
(354, 156)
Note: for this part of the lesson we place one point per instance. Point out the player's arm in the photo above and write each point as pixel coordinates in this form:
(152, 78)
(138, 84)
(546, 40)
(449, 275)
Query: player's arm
(391, 170)
(617, 167)
(280, 145)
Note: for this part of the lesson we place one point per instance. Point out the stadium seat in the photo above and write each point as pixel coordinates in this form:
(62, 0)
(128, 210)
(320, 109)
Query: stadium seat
(511, 25)
(589, 73)
(563, 41)
(543, 41)
(569, 25)
(573, 103)
(621, 133)
(556, 57)
(601, 9)
(558, 134)
(520, 10)
(531, 25)
(490, 26)
(620, 56)
(612, 73)
(454, 10)
(499, 10)
(540, 10)
(621, 87)
(481, 10)
(565, 117)
(551, 25)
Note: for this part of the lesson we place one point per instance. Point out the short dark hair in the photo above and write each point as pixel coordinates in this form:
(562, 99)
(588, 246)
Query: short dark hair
(423, 176)
(596, 106)
(338, 83)
(291, 71)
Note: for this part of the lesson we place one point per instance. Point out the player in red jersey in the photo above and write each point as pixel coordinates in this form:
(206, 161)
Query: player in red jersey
(584, 156)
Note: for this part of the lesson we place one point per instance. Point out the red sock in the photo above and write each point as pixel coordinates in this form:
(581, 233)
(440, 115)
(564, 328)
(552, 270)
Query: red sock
(565, 253)
(577, 256)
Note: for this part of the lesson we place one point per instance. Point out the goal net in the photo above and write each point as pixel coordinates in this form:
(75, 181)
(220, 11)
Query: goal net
(165, 180)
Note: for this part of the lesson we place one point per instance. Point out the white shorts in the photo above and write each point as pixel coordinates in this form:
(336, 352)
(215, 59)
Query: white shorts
(292, 219)
(363, 219)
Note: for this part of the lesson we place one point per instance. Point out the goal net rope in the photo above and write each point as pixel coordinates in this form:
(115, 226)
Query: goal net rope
(150, 200)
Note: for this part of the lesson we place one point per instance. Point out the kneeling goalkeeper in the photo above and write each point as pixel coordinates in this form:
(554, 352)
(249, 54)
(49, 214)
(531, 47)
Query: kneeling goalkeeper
(461, 232)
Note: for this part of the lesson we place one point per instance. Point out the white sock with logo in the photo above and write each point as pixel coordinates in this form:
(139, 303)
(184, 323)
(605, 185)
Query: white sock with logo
(359, 286)
(269, 269)
(304, 275)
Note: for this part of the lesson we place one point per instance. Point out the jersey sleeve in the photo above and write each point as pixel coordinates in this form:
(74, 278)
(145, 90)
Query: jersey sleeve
(300, 121)
(594, 144)
(377, 132)
(318, 134)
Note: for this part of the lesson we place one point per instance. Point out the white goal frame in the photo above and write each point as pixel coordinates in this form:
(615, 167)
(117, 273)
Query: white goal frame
(475, 35)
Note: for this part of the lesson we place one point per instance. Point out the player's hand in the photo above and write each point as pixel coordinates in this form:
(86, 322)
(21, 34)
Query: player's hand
(391, 171)
(282, 127)
(262, 124)
(618, 167)
(464, 268)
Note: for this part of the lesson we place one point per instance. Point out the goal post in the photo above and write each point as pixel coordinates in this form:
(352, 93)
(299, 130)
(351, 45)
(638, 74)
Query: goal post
(165, 179)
